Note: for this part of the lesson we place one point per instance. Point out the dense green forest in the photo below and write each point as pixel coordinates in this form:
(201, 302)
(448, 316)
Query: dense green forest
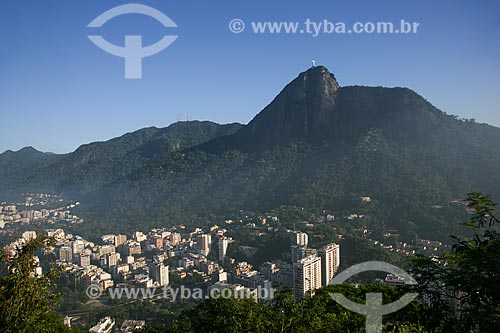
(317, 145)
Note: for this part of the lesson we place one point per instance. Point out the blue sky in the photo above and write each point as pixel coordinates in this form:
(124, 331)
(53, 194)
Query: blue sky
(58, 90)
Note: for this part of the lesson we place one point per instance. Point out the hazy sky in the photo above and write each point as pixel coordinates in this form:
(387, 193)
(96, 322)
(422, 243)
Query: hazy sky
(58, 90)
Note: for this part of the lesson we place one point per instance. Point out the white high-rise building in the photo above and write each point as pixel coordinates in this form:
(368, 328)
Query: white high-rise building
(223, 244)
(77, 246)
(159, 273)
(306, 276)
(204, 242)
(299, 238)
(83, 259)
(66, 254)
(330, 262)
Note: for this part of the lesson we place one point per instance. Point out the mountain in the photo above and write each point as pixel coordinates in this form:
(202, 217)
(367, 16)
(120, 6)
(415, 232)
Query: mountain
(94, 165)
(314, 108)
(316, 145)
(15, 165)
(26, 155)
(305, 109)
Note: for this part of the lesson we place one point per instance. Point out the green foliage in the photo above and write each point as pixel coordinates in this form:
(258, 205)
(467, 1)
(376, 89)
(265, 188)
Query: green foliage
(27, 300)
(464, 282)
(238, 316)
(390, 144)
(14, 166)
(483, 208)
(357, 250)
(94, 165)
(406, 178)
(474, 270)
(317, 314)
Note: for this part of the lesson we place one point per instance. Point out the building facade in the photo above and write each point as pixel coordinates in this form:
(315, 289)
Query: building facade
(159, 273)
(330, 262)
(306, 276)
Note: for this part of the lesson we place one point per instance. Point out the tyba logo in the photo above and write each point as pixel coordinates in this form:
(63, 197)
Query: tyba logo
(373, 309)
(132, 51)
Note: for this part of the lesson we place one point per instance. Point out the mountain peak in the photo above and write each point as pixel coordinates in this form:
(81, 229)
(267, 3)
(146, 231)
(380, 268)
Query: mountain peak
(25, 151)
(320, 73)
(28, 149)
(317, 81)
(302, 110)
